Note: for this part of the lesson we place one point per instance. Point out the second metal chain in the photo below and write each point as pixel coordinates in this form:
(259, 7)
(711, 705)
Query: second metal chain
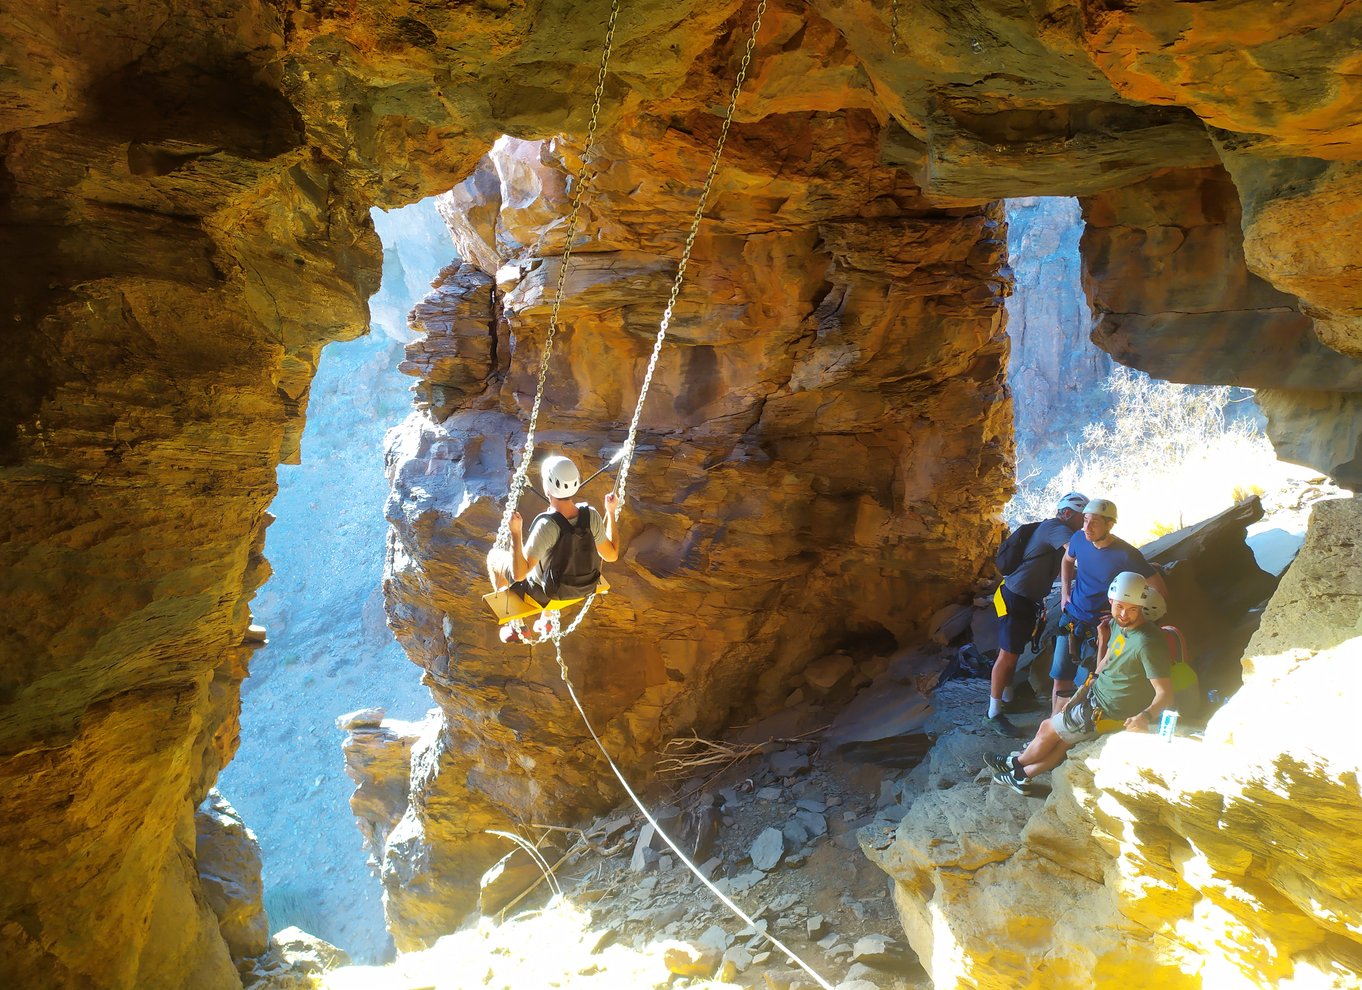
(584, 177)
(623, 480)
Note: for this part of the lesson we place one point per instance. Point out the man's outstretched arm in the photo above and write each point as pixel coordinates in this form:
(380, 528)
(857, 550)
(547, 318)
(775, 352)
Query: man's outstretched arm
(609, 548)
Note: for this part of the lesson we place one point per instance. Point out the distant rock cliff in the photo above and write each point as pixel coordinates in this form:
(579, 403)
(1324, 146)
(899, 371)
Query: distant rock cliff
(1054, 371)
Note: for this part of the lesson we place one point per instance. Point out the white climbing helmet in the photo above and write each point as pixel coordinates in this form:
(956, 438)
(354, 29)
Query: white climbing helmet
(1101, 507)
(1135, 589)
(1073, 500)
(561, 477)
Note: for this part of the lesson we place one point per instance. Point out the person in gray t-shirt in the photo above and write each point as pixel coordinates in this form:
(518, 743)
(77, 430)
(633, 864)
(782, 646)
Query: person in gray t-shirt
(1019, 597)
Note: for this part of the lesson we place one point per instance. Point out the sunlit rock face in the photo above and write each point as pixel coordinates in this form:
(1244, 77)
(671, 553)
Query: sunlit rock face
(1054, 372)
(806, 475)
(1192, 863)
(184, 221)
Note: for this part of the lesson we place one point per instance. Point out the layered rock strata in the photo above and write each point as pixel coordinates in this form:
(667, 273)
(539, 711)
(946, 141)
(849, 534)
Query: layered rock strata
(1213, 862)
(822, 441)
(183, 215)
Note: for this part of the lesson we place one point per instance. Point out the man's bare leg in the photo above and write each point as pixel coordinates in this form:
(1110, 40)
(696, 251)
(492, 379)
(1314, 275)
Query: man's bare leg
(1003, 670)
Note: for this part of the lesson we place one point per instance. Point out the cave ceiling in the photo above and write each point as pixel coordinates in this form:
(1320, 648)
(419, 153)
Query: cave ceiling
(184, 224)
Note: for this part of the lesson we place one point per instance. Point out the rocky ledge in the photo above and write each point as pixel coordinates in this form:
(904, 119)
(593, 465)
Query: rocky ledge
(1196, 862)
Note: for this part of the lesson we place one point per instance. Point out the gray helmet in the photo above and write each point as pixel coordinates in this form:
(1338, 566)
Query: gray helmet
(1101, 507)
(1074, 500)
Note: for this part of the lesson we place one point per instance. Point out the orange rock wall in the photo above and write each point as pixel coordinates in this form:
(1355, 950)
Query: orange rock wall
(183, 221)
(824, 441)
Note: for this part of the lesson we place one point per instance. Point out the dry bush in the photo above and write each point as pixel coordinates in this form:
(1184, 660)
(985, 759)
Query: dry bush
(1167, 455)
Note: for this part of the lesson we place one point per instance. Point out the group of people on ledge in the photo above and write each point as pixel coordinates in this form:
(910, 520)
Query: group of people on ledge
(1111, 599)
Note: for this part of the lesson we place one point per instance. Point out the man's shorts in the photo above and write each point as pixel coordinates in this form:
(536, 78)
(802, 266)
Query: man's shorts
(1076, 644)
(1077, 723)
(1015, 628)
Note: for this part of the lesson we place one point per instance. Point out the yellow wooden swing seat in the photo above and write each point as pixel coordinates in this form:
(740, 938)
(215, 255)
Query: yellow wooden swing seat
(507, 605)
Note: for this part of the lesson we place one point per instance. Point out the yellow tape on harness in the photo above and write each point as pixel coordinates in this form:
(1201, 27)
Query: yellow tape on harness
(999, 605)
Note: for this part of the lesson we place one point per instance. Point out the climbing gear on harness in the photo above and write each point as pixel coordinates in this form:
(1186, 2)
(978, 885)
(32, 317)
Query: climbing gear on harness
(1038, 633)
(1135, 589)
(584, 177)
(561, 477)
(1101, 507)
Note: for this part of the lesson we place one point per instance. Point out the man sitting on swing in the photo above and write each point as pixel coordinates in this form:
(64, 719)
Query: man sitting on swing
(562, 557)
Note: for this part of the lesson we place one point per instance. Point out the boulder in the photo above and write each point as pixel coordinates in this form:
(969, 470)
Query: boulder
(228, 858)
(768, 849)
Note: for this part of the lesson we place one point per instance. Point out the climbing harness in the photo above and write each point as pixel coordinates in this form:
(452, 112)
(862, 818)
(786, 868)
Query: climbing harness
(584, 177)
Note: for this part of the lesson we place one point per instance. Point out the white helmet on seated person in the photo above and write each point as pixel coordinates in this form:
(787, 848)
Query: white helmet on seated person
(1135, 589)
(1074, 500)
(561, 477)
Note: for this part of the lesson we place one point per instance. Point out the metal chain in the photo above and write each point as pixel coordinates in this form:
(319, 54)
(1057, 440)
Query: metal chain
(584, 177)
(894, 24)
(623, 479)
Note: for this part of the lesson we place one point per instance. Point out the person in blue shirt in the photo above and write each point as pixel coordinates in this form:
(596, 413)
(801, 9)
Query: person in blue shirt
(1094, 558)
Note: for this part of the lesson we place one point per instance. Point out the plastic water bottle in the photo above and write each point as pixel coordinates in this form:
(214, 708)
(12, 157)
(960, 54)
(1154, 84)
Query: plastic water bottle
(1168, 724)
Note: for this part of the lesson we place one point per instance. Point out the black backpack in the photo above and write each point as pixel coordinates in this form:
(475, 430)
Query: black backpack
(1012, 554)
(573, 567)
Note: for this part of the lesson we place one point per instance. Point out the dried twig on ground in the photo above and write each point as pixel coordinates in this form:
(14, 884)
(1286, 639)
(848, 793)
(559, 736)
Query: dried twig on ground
(687, 754)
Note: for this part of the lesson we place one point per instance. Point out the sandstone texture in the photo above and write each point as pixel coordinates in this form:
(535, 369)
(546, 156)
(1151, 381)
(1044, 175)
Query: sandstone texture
(229, 868)
(854, 326)
(1198, 862)
(184, 220)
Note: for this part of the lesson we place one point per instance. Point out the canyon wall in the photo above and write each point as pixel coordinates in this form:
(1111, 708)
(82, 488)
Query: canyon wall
(1054, 371)
(184, 216)
(819, 461)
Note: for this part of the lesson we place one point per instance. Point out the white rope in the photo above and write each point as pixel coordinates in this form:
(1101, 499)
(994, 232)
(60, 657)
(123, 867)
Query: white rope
(558, 635)
(638, 803)
(584, 177)
(622, 481)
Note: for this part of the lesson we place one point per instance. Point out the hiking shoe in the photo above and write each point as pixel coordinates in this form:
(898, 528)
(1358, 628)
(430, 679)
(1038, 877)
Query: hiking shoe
(1003, 726)
(1022, 787)
(1000, 762)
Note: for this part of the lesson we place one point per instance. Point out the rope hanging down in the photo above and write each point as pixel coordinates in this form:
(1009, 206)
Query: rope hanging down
(584, 177)
(558, 634)
(723, 898)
